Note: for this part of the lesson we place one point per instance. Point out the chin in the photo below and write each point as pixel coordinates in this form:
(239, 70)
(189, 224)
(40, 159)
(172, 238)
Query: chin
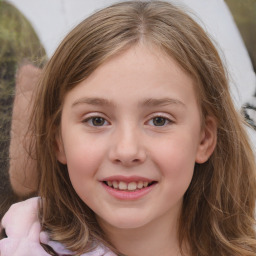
(127, 222)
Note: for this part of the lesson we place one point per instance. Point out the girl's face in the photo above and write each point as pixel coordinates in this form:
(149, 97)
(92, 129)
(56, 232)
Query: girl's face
(130, 136)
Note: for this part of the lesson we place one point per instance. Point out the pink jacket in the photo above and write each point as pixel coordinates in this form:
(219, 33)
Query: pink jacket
(24, 234)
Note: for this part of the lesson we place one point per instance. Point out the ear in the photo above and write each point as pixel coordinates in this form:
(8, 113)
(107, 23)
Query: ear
(60, 152)
(207, 141)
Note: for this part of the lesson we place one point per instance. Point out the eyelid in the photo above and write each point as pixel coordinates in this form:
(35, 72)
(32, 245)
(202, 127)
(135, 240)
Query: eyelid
(166, 116)
(86, 118)
(93, 114)
(162, 114)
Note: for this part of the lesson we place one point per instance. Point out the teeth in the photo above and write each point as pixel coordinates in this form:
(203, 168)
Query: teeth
(145, 184)
(140, 184)
(122, 185)
(131, 186)
(115, 184)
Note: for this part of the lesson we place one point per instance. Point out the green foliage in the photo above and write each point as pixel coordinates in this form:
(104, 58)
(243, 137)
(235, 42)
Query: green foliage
(18, 43)
(244, 13)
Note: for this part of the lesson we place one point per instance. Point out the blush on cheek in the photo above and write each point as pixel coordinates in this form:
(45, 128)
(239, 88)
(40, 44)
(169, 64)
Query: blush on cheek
(82, 161)
(179, 164)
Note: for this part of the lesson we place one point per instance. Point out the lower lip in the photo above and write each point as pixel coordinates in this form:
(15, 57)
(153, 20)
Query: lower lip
(128, 195)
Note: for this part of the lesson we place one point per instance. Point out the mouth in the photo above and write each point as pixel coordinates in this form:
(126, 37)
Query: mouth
(129, 186)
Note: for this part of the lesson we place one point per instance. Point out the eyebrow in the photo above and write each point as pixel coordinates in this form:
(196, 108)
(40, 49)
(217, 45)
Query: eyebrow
(161, 102)
(93, 101)
(145, 103)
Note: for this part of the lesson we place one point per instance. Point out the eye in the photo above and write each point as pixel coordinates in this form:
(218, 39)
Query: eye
(96, 121)
(159, 121)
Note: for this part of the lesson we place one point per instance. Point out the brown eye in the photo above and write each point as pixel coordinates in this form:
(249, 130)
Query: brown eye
(95, 121)
(98, 121)
(159, 121)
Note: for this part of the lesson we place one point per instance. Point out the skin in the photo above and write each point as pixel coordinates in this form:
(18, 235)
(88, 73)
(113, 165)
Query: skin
(128, 93)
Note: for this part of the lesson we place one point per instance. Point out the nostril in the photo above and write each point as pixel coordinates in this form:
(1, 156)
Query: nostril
(128, 161)
(126, 150)
(3, 233)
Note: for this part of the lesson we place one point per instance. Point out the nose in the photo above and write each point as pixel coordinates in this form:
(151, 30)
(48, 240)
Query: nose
(127, 147)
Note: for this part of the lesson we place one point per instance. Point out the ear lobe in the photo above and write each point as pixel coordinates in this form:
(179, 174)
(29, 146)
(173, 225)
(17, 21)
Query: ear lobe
(208, 140)
(60, 152)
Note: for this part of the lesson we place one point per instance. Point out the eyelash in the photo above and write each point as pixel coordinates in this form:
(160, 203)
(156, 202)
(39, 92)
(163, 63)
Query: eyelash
(166, 121)
(90, 120)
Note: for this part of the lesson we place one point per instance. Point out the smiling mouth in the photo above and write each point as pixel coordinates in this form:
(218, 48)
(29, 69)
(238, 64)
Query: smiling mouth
(129, 186)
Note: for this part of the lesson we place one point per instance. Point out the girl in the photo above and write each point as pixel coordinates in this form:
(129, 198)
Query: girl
(139, 148)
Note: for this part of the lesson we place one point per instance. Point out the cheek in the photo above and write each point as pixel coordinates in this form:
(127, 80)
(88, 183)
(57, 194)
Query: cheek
(83, 158)
(176, 160)
(83, 162)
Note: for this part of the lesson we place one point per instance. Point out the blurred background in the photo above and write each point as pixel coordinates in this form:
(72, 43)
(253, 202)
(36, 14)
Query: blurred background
(244, 13)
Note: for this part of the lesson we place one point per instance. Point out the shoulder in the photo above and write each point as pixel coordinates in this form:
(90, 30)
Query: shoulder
(100, 250)
(24, 236)
(21, 216)
(22, 230)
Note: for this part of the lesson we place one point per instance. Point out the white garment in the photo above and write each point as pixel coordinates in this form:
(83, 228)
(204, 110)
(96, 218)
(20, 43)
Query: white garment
(24, 234)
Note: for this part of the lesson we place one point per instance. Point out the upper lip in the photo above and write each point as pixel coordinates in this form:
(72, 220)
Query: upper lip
(127, 179)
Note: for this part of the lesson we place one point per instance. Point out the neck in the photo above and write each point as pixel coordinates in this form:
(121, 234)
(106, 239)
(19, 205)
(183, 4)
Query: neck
(156, 238)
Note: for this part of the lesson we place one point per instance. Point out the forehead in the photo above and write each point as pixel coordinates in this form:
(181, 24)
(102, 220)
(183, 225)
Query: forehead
(139, 72)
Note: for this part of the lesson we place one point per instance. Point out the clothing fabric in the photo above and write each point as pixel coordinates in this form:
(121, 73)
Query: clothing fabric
(24, 234)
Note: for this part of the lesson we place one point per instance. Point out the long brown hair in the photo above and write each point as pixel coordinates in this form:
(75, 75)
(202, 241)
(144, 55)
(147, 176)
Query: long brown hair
(218, 211)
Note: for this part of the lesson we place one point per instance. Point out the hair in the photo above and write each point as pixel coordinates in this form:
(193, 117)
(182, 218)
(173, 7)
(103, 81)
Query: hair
(217, 216)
